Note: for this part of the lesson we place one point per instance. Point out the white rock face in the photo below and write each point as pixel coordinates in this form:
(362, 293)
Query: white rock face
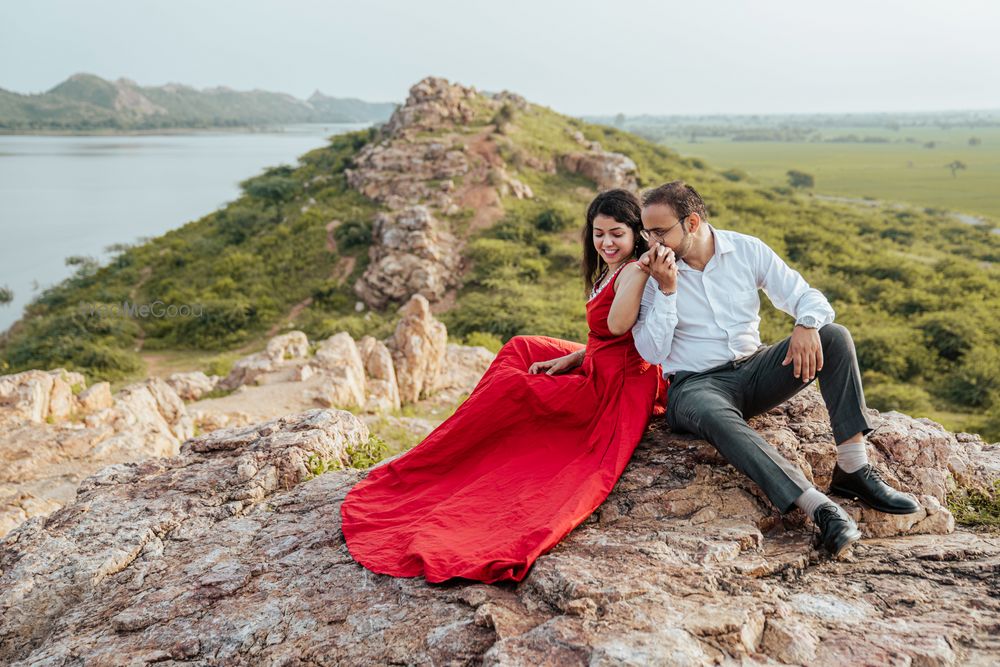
(344, 371)
(248, 369)
(418, 349)
(292, 345)
(606, 170)
(411, 253)
(463, 366)
(193, 385)
(383, 389)
(25, 396)
(96, 397)
(279, 351)
(42, 461)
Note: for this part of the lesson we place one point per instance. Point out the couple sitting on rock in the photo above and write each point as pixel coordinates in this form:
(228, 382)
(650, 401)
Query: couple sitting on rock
(548, 430)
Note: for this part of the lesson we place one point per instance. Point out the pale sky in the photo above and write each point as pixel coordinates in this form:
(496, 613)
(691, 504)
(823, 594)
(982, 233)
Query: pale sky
(581, 57)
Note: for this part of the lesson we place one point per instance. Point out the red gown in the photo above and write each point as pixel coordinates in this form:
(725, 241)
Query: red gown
(521, 463)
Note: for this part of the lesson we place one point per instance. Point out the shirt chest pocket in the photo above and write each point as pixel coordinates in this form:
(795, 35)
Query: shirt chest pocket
(744, 306)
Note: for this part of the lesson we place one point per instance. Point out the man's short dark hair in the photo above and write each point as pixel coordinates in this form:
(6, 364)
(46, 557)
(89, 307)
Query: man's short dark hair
(679, 196)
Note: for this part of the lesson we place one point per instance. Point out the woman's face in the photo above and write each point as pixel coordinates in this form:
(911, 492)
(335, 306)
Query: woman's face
(613, 240)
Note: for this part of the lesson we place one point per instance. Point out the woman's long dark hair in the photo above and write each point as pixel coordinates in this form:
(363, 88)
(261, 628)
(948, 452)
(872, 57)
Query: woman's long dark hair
(624, 207)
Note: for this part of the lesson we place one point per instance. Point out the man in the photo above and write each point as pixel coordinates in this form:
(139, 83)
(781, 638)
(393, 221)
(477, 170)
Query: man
(699, 320)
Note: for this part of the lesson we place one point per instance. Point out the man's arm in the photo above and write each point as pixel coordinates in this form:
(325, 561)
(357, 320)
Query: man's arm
(654, 330)
(788, 290)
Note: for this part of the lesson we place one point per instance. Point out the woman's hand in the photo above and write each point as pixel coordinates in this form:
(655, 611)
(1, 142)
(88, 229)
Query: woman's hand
(556, 366)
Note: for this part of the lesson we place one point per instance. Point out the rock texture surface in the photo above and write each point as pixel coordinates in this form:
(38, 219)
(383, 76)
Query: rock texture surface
(230, 553)
(411, 253)
(418, 348)
(50, 438)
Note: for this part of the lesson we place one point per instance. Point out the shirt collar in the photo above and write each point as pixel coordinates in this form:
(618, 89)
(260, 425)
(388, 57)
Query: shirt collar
(723, 244)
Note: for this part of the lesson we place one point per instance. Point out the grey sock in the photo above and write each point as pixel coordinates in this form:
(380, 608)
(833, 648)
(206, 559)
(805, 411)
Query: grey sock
(810, 501)
(852, 456)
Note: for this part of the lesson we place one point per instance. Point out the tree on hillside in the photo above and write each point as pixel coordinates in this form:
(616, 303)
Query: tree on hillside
(955, 166)
(6, 295)
(274, 187)
(503, 117)
(800, 179)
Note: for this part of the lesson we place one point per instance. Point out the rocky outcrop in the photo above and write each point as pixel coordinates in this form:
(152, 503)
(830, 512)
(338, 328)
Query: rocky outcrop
(248, 370)
(96, 397)
(401, 174)
(38, 396)
(606, 170)
(383, 388)
(426, 166)
(231, 553)
(418, 349)
(432, 102)
(411, 253)
(192, 385)
(42, 462)
(292, 345)
(54, 431)
(339, 359)
(461, 370)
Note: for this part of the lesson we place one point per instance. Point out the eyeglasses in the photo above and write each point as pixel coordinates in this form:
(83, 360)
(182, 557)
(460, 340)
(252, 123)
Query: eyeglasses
(660, 234)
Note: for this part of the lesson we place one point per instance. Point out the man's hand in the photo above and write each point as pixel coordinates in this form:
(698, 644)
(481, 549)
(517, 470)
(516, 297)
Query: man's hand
(662, 265)
(805, 353)
(556, 366)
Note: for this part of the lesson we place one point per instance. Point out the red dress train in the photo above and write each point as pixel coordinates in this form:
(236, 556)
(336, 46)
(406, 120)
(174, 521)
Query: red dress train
(524, 460)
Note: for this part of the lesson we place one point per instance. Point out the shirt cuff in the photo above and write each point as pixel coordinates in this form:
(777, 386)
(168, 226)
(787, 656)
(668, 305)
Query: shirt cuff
(823, 316)
(662, 302)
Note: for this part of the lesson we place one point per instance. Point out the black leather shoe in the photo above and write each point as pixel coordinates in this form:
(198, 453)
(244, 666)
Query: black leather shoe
(868, 486)
(837, 530)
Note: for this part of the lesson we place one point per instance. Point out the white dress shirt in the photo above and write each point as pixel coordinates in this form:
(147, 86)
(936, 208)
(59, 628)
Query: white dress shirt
(714, 316)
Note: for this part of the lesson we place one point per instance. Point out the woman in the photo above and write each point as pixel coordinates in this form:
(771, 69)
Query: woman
(536, 447)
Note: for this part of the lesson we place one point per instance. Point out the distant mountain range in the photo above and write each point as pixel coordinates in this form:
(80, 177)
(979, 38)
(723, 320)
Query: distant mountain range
(85, 102)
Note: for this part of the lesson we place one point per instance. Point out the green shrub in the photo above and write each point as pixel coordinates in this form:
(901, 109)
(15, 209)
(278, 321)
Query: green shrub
(483, 339)
(237, 223)
(353, 234)
(498, 260)
(950, 334)
(990, 428)
(554, 220)
(973, 507)
(368, 453)
(976, 382)
(893, 350)
(223, 322)
(275, 186)
(905, 398)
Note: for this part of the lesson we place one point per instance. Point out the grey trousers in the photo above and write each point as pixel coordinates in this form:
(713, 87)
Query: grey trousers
(715, 404)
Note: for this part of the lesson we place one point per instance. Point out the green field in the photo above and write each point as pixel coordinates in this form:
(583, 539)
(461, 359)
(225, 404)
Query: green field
(899, 171)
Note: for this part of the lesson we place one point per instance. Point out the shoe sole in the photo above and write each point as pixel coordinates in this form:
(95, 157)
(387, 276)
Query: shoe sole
(849, 539)
(844, 493)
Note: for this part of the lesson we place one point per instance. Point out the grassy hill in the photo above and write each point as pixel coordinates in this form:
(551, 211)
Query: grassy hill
(918, 289)
(85, 102)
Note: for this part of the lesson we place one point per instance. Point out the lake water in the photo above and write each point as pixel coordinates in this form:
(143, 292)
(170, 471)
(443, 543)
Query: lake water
(76, 195)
